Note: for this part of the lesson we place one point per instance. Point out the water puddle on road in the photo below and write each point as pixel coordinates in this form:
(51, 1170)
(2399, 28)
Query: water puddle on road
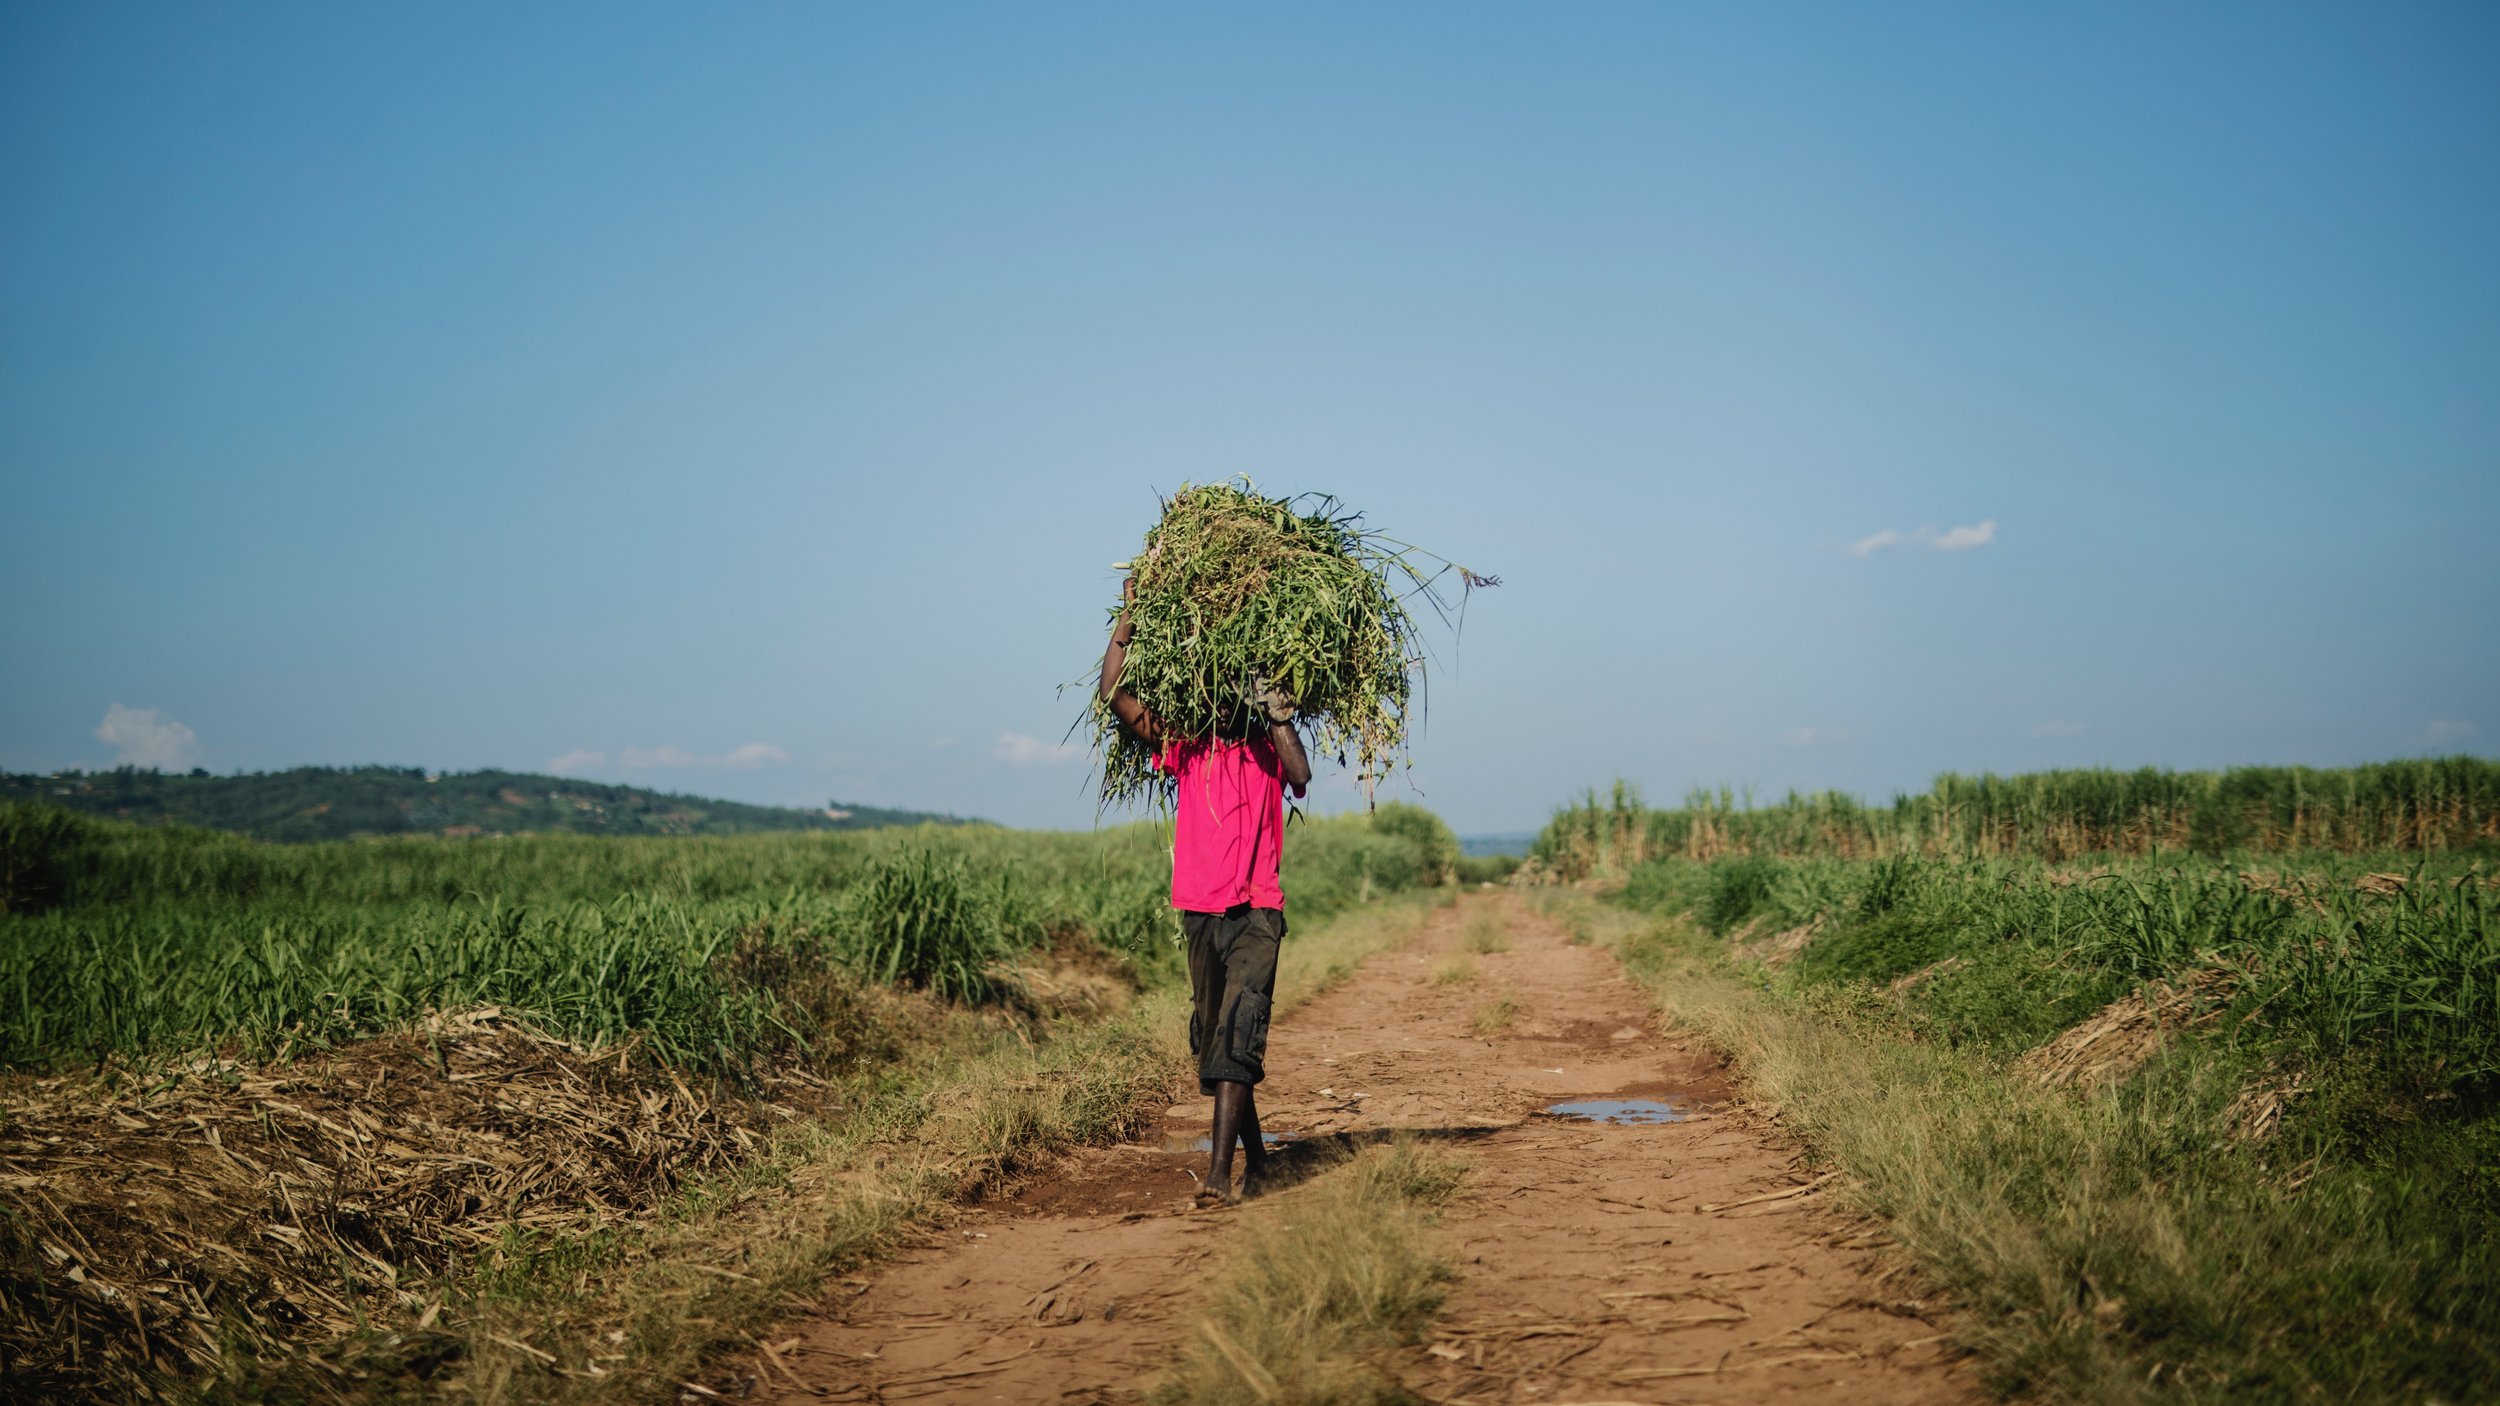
(1617, 1112)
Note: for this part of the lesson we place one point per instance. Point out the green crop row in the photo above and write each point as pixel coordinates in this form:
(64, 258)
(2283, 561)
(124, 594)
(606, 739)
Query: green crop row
(2450, 803)
(117, 939)
(2331, 961)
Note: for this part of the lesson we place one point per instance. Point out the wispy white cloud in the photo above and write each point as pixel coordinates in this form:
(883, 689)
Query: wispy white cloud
(579, 759)
(1019, 749)
(1945, 539)
(2444, 731)
(753, 754)
(1962, 539)
(146, 737)
(2060, 727)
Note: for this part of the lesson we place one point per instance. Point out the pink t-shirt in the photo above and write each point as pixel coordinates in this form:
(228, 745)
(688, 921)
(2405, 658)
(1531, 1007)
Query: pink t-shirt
(1228, 823)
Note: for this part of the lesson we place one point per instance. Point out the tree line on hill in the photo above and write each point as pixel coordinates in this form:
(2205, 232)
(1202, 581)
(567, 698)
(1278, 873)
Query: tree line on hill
(336, 803)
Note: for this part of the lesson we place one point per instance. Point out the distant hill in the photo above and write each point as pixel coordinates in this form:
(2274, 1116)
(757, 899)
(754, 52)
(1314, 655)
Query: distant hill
(337, 803)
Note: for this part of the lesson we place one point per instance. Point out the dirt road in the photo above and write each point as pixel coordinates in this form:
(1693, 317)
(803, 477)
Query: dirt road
(1685, 1260)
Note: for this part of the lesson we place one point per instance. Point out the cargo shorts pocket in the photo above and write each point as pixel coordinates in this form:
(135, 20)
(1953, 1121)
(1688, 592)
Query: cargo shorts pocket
(1247, 1038)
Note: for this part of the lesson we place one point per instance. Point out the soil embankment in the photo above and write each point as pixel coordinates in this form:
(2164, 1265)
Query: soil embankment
(1682, 1260)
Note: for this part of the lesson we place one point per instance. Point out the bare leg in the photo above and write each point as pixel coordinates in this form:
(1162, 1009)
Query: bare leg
(1253, 1143)
(1232, 1103)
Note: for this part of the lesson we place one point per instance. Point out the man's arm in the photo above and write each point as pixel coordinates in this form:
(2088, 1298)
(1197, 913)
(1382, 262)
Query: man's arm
(1289, 755)
(1124, 705)
(1292, 763)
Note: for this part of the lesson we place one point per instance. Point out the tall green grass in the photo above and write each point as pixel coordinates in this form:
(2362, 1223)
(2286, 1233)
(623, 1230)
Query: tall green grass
(2349, 1252)
(122, 940)
(2450, 803)
(2318, 965)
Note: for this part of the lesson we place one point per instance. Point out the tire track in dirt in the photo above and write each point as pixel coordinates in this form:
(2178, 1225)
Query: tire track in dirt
(1681, 1261)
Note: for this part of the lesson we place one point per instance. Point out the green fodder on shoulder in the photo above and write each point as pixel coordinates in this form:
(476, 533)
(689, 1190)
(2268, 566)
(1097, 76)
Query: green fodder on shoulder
(1325, 1278)
(1235, 589)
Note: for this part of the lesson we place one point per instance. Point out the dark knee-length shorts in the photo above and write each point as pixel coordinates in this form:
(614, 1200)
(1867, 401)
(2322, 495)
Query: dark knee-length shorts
(1232, 983)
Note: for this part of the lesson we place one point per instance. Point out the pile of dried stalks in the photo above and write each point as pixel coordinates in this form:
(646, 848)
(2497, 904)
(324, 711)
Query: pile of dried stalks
(1908, 982)
(149, 1229)
(2125, 1033)
(2257, 1110)
(2306, 888)
(1777, 949)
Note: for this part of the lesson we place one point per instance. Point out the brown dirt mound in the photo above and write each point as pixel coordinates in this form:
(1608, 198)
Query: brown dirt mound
(146, 1225)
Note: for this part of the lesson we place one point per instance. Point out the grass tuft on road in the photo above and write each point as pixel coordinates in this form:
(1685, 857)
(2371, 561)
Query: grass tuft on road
(1494, 1016)
(1325, 1278)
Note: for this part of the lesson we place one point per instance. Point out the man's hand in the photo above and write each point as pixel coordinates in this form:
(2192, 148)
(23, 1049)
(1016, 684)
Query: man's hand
(1280, 709)
(1123, 629)
(1275, 702)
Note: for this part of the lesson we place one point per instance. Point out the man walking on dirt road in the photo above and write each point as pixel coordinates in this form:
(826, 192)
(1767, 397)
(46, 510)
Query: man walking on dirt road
(1228, 832)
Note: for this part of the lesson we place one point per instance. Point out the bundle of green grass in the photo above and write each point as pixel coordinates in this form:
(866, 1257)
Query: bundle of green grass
(1236, 590)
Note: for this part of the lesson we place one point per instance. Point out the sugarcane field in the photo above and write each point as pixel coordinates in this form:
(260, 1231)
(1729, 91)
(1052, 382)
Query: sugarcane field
(1505, 706)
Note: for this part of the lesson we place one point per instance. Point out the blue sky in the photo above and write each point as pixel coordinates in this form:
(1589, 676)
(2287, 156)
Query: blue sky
(752, 399)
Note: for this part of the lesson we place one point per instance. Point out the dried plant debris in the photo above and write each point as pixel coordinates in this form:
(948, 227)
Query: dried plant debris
(155, 1228)
(2257, 1111)
(2117, 1041)
(1776, 949)
(2310, 888)
(1908, 982)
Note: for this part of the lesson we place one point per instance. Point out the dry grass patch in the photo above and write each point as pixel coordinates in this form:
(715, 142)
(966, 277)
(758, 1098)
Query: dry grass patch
(626, 1319)
(1486, 934)
(1587, 920)
(1311, 963)
(1779, 948)
(1452, 971)
(158, 1228)
(2130, 1030)
(1494, 1017)
(1324, 1280)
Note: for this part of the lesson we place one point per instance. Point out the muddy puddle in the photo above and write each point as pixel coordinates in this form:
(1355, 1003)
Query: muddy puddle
(1618, 1112)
